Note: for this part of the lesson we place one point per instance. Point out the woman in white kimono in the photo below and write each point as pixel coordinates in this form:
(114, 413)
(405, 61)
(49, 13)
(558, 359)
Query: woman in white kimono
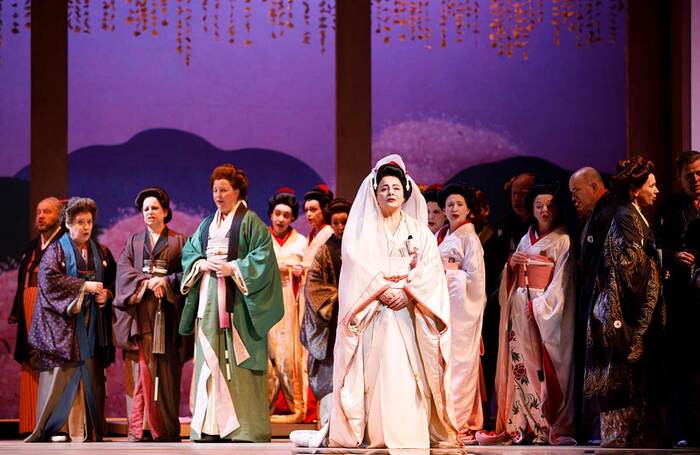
(287, 376)
(391, 372)
(534, 378)
(463, 259)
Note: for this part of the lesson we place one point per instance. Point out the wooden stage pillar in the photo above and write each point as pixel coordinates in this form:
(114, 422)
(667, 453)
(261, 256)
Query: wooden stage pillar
(353, 79)
(658, 84)
(49, 102)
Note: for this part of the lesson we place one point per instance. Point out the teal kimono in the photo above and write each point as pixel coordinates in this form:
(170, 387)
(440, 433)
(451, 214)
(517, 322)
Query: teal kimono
(230, 318)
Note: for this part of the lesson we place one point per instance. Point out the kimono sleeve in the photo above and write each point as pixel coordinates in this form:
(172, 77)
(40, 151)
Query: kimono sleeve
(261, 275)
(550, 306)
(175, 278)
(321, 289)
(192, 254)
(427, 285)
(58, 290)
(638, 275)
(473, 267)
(129, 279)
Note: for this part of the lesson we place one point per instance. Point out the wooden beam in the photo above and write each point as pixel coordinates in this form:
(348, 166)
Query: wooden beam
(49, 102)
(658, 84)
(353, 76)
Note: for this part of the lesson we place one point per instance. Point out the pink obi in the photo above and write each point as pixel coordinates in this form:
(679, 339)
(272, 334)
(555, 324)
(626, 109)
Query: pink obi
(539, 272)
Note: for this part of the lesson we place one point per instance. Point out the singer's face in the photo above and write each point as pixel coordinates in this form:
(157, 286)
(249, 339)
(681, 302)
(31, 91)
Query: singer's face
(456, 210)
(389, 194)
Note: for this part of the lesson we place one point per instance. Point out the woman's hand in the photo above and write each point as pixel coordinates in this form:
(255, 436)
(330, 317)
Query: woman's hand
(395, 299)
(102, 296)
(518, 258)
(214, 266)
(297, 270)
(93, 287)
(204, 266)
(157, 285)
(222, 269)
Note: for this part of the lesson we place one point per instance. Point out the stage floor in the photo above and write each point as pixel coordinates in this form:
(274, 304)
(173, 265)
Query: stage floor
(120, 445)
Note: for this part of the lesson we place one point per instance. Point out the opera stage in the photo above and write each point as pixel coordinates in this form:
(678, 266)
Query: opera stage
(282, 446)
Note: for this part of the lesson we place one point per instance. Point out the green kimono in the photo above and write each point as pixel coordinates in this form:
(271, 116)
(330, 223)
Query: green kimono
(231, 318)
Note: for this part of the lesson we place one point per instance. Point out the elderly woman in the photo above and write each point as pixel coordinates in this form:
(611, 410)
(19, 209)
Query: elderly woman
(147, 305)
(72, 330)
(463, 259)
(534, 378)
(626, 320)
(390, 386)
(234, 297)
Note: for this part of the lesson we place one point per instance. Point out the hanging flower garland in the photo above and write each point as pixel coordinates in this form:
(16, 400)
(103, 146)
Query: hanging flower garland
(511, 23)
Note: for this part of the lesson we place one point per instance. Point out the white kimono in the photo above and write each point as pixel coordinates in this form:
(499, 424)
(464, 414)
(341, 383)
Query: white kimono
(463, 259)
(535, 360)
(288, 356)
(391, 370)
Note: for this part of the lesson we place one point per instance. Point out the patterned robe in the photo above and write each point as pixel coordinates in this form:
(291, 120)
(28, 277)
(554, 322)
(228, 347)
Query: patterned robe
(287, 375)
(73, 336)
(624, 327)
(534, 382)
(321, 315)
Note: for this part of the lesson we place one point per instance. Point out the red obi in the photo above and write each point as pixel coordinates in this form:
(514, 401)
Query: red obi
(539, 272)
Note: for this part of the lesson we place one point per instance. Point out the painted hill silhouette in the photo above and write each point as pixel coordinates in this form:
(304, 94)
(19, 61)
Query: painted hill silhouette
(490, 178)
(14, 205)
(180, 162)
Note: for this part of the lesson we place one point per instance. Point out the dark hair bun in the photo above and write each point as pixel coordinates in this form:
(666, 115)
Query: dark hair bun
(460, 189)
(631, 173)
(286, 197)
(158, 193)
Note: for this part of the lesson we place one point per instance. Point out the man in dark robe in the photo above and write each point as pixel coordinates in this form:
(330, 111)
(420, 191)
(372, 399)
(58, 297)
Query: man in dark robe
(678, 259)
(321, 315)
(148, 305)
(595, 207)
(46, 222)
(691, 417)
(72, 330)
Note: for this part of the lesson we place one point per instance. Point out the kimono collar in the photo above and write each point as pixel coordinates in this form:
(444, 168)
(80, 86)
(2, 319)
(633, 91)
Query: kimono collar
(220, 218)
(535, 236)
(314, 232)
(50, 239)
(282, 240)
(636, 207)
(442, 233)
(161, 243)
(445, 231)
(70, 259)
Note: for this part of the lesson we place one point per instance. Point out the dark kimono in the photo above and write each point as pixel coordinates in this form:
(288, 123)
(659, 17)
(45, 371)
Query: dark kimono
(22, 313)
(321, 316)
(148, 327)
(672, 229)
(624, 329)
(73, 337)
(591, 243)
